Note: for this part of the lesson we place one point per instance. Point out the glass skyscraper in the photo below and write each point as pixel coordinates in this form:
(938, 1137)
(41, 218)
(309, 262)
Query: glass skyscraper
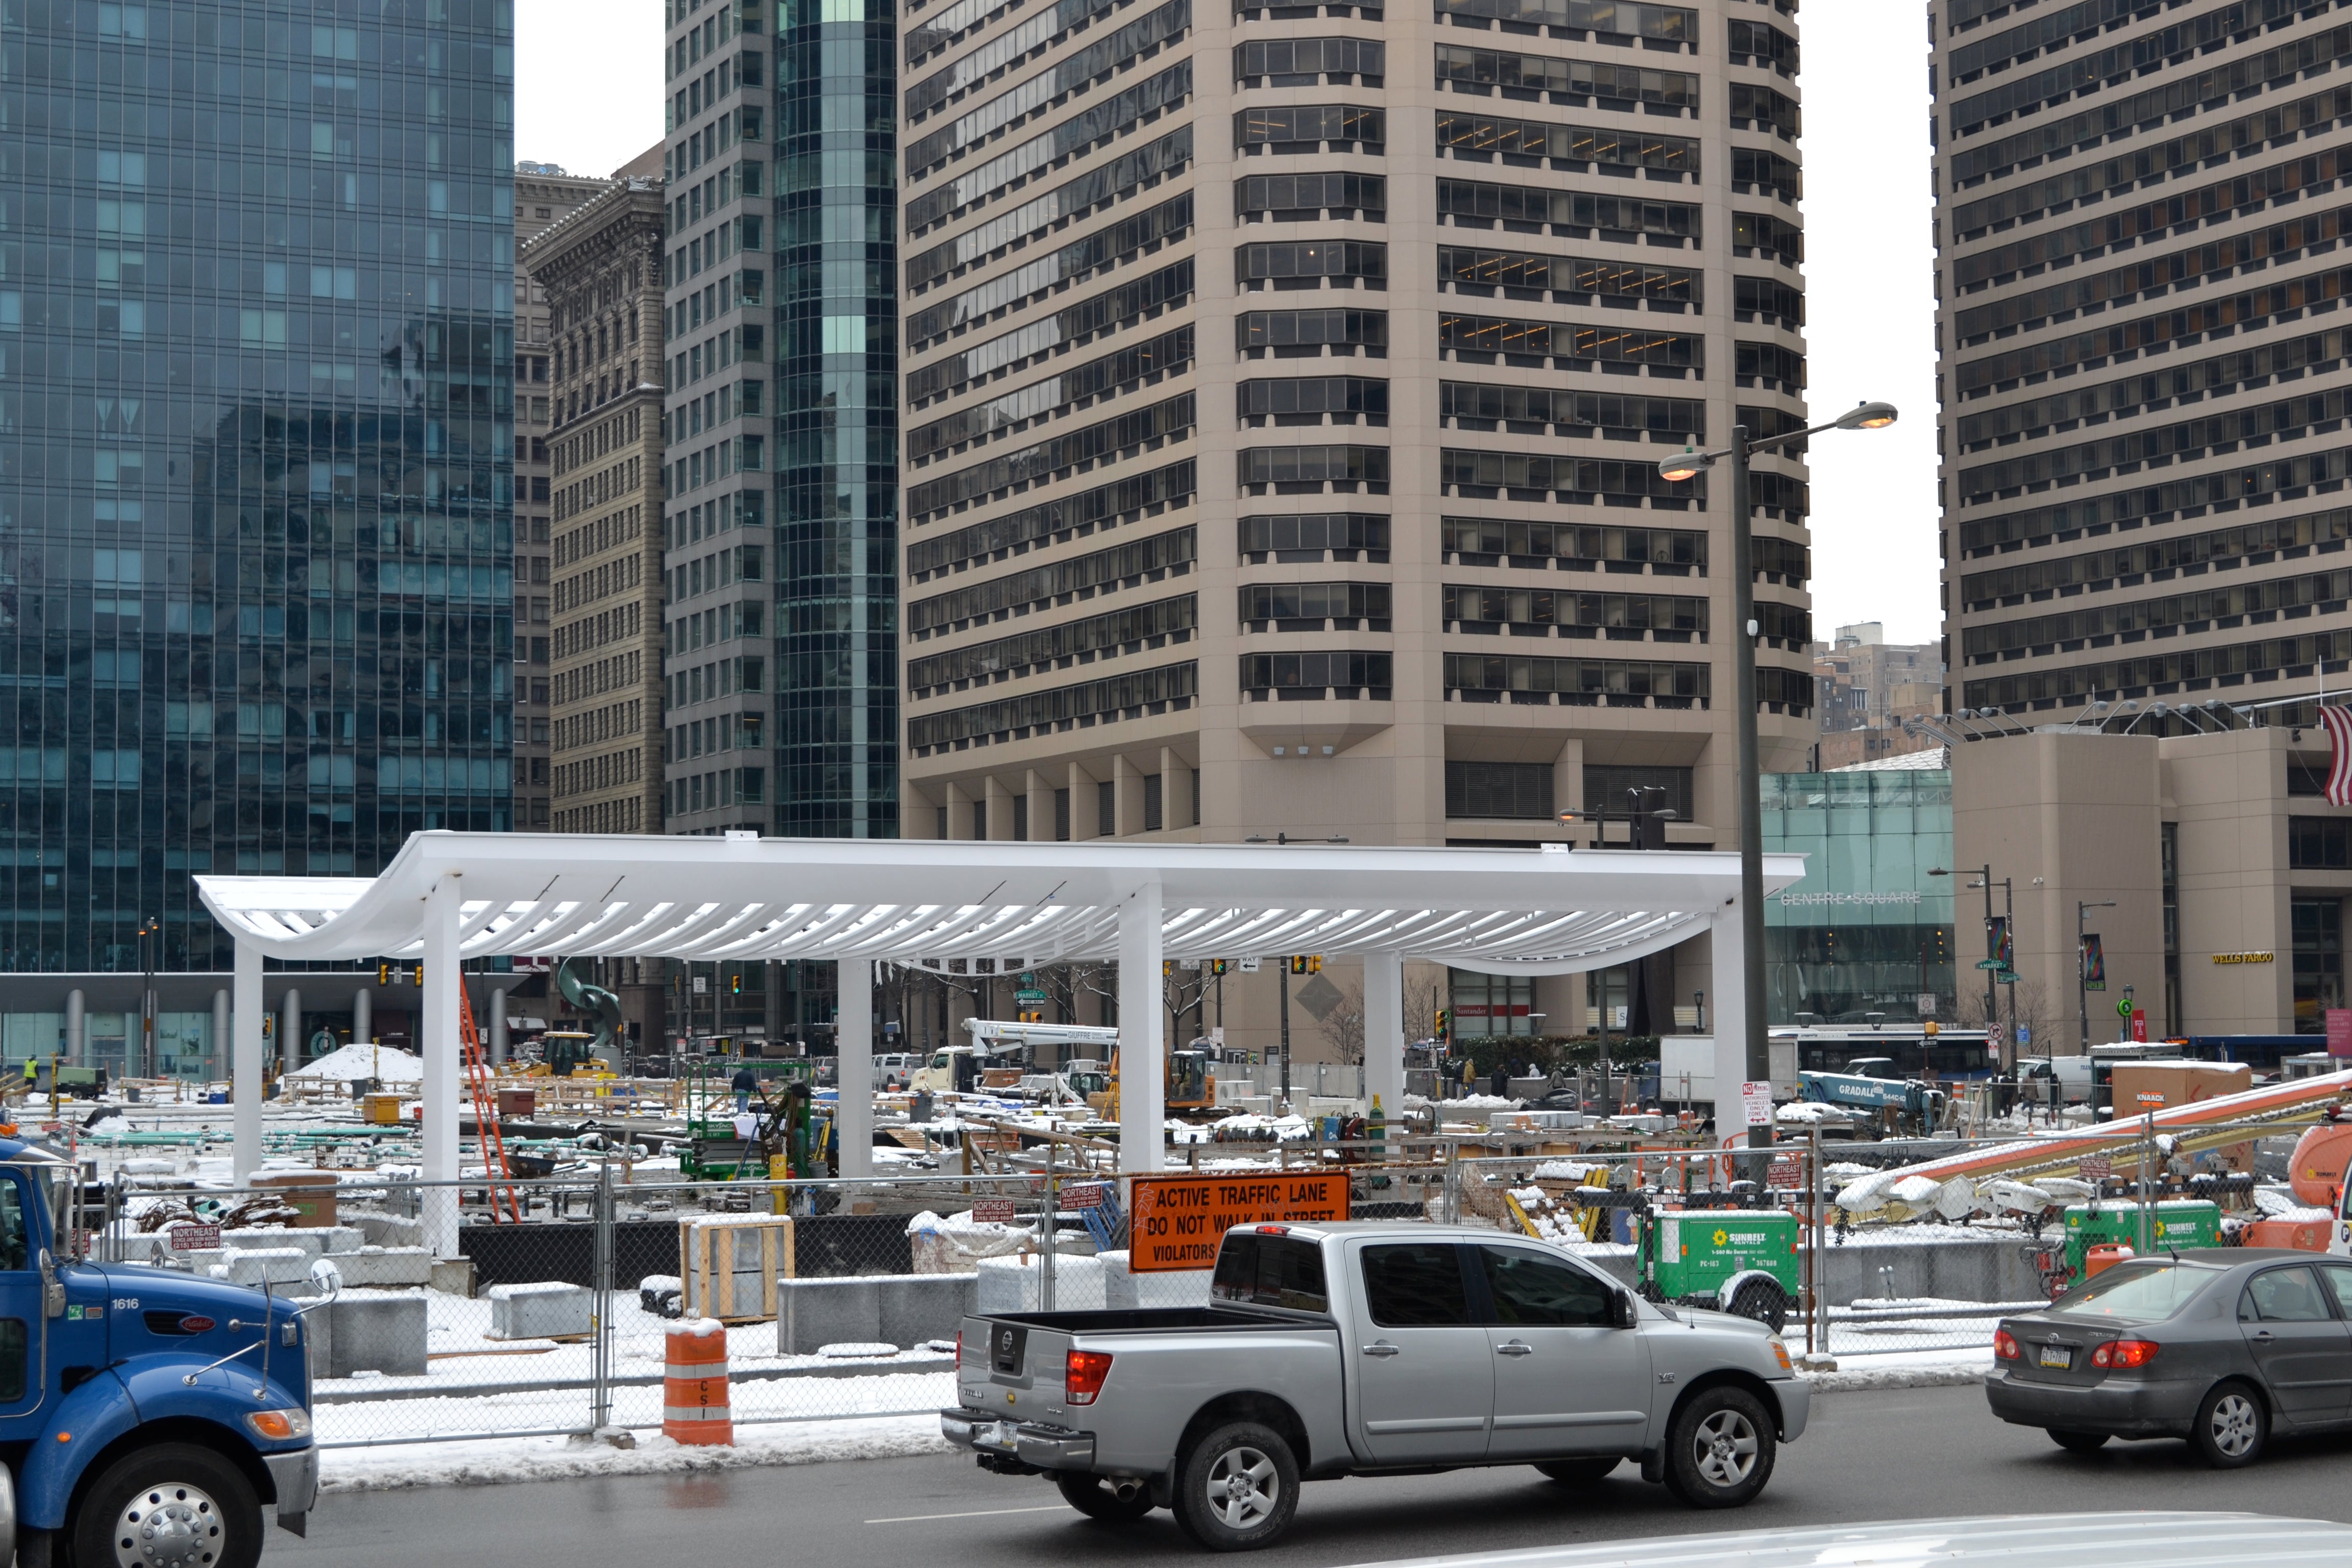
(255, 428)
(782, 439)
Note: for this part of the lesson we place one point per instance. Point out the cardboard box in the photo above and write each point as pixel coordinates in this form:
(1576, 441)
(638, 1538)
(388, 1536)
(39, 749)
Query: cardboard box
(313, 1201)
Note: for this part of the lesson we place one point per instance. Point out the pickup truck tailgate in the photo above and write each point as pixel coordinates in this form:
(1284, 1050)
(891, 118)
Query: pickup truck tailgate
(1014, 1368)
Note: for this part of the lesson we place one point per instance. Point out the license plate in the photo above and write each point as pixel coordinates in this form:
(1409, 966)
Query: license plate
(1005, 1434)
(2058, 1358)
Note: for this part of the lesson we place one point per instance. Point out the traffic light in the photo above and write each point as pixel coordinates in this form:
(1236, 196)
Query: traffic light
(1446, 1023)
(735, 985)
(1032, 1017)
(1220, 965)
(384, 974)
(1307, 964)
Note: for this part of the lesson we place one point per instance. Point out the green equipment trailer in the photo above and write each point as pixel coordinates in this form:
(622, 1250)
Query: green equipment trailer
(2178, 1225)
(1744, 1261)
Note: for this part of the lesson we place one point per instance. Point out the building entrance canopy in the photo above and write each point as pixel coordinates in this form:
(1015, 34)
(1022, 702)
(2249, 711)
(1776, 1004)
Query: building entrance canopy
(452, 896)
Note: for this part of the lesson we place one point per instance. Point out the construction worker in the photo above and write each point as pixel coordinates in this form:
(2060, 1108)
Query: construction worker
(745, 1083)
(32, 1076)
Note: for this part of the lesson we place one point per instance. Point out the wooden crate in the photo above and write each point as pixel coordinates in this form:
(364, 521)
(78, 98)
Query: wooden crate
(380, 1109)
(731, 1263)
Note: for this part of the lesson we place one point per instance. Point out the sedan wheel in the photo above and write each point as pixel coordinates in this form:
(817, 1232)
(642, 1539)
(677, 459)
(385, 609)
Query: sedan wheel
(2232, 1426)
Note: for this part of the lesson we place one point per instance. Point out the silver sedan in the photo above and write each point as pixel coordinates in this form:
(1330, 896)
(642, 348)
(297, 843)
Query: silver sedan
(2221, 1347)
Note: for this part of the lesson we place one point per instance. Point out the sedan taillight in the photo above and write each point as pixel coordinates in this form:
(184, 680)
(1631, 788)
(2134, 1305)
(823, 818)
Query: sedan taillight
(2005, 1346)
(2122, 1355)
(1084, 1374)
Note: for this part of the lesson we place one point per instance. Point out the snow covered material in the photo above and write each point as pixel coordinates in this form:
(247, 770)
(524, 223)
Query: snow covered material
(496, 1460)
(386, 1064)
(857, 1350)
(700, 1328)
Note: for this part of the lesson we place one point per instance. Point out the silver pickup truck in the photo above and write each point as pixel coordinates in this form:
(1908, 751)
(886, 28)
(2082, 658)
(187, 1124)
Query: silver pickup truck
(1342, 1349)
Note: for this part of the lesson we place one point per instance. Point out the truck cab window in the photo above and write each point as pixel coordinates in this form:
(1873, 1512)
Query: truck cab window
(15, 1251)
(1417, 1285)
(1533, 1292)
(1271, 1271)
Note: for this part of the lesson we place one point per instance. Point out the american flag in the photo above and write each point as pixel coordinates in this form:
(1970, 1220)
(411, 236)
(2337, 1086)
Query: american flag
(2339, 721)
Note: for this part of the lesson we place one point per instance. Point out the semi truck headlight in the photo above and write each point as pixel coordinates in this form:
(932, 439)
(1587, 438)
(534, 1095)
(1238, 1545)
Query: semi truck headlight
(277, 1425)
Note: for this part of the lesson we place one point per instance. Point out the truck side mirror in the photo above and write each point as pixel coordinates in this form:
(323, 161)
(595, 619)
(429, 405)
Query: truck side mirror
(1624, 1314)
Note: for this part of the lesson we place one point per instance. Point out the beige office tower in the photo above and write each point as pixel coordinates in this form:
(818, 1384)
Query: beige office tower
(1284, 391)
(601, 270)
(544, 193)
(2138, 273)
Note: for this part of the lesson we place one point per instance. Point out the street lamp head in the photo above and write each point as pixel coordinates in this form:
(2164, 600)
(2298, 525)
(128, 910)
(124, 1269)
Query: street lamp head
(1939, 870)
(1685, 465)
(1867, 416)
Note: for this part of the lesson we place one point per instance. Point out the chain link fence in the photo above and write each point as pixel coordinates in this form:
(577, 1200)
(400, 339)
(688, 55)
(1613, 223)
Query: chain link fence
(844, 1298)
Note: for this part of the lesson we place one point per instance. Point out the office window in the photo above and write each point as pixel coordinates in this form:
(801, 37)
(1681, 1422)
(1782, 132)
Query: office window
(1153, 799)
(1061, 816)
(1503, 790)
(1105, 808)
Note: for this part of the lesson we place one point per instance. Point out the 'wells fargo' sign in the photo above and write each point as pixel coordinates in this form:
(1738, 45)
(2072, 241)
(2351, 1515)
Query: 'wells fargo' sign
(1179, 1220)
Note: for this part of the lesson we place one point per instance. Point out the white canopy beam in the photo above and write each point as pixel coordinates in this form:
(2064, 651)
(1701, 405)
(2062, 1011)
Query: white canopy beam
(995, 905)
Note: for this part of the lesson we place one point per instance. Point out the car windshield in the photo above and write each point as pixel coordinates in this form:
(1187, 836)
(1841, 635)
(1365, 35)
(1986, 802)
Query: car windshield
(2134, 1293)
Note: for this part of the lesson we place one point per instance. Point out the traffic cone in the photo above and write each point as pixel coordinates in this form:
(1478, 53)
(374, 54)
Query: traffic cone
(695, 1408)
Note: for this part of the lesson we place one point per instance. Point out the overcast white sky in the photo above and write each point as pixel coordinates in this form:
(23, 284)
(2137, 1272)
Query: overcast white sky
(588, 96)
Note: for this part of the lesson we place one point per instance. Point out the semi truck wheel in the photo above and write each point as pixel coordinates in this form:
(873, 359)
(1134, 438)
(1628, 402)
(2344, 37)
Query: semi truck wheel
(1236, 1488)
(1099, 1498)
(171, 1506)
(1719, 1449)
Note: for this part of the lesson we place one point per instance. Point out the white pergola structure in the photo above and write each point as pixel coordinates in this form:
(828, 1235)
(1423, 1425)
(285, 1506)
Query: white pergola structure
(744, 898)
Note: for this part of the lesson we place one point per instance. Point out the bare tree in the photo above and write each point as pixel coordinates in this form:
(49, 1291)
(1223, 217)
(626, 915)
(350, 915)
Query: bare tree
(1343, 1026)
(1422, 1000)
(1183, 991)
(2036, 1018)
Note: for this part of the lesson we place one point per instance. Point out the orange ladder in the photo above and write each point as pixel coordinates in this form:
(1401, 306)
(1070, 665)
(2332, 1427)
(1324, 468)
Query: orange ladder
(503, 1206)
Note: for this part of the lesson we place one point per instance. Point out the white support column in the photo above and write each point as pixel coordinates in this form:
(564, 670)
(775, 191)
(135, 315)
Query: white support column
(363, 1017)
(1142, 1057)
(244, 1061)
(853, 1114)
(498, 1027)
(437, 1032)
(77, 1030)
(217, 1048)
(1384, 1033)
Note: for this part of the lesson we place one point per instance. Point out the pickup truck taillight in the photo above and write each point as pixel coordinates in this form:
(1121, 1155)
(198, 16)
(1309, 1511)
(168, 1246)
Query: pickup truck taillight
(1082, 1376)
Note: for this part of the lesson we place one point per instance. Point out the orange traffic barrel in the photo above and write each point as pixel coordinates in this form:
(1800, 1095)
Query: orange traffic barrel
(694, 1385)
(2104, 1256)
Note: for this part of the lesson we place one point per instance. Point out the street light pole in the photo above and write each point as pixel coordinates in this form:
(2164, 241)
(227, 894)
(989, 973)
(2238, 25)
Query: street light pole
(1744, 629)
(2082, 972)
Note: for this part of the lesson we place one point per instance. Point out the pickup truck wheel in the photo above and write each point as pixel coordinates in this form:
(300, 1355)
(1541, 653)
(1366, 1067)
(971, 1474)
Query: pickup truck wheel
(1098, 1498)
(1719, 1450)
(1237, 1487)
(171, 1506)
(1762, 1300)
(1578, 1472)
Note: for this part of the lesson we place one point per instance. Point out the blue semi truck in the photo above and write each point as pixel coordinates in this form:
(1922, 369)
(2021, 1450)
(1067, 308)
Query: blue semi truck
(147, 1417)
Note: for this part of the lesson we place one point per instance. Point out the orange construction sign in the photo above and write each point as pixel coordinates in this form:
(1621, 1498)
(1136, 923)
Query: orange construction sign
(1178, 1220)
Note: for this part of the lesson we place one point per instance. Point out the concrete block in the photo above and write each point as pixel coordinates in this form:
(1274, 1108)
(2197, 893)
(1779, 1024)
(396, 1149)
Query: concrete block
(337, 1239)
(283, 1267)
(383, 1266)
(549, 1309)
(920, 1306)
(1125, 1290)
(454, 1276)
(1012, 1284)
(390, 1230)
(312, 1242)
(814, 1312)
(374, 1331)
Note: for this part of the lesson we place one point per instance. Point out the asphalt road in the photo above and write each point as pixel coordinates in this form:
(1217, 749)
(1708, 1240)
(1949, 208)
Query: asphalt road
(1918, 1454)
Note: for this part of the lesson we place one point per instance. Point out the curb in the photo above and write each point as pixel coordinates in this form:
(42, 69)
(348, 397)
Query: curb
(1872, 1380)
(511, 1461)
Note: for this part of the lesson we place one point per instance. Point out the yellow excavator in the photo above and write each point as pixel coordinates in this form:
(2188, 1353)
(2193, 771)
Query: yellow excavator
(1190, 1084)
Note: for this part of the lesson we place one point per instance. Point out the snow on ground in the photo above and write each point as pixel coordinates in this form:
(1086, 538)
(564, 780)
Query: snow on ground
(505, 1459)
(1917, 1368)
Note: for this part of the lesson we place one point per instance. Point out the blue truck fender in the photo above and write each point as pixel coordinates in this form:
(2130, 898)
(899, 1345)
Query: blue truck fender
(82, 1424)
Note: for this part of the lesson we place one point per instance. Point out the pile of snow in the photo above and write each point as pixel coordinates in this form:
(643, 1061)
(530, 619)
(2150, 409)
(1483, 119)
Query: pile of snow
(386, 1064)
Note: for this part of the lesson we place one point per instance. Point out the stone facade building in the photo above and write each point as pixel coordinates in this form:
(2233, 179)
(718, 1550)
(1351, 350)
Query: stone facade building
(544, 195)
(601, 270)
